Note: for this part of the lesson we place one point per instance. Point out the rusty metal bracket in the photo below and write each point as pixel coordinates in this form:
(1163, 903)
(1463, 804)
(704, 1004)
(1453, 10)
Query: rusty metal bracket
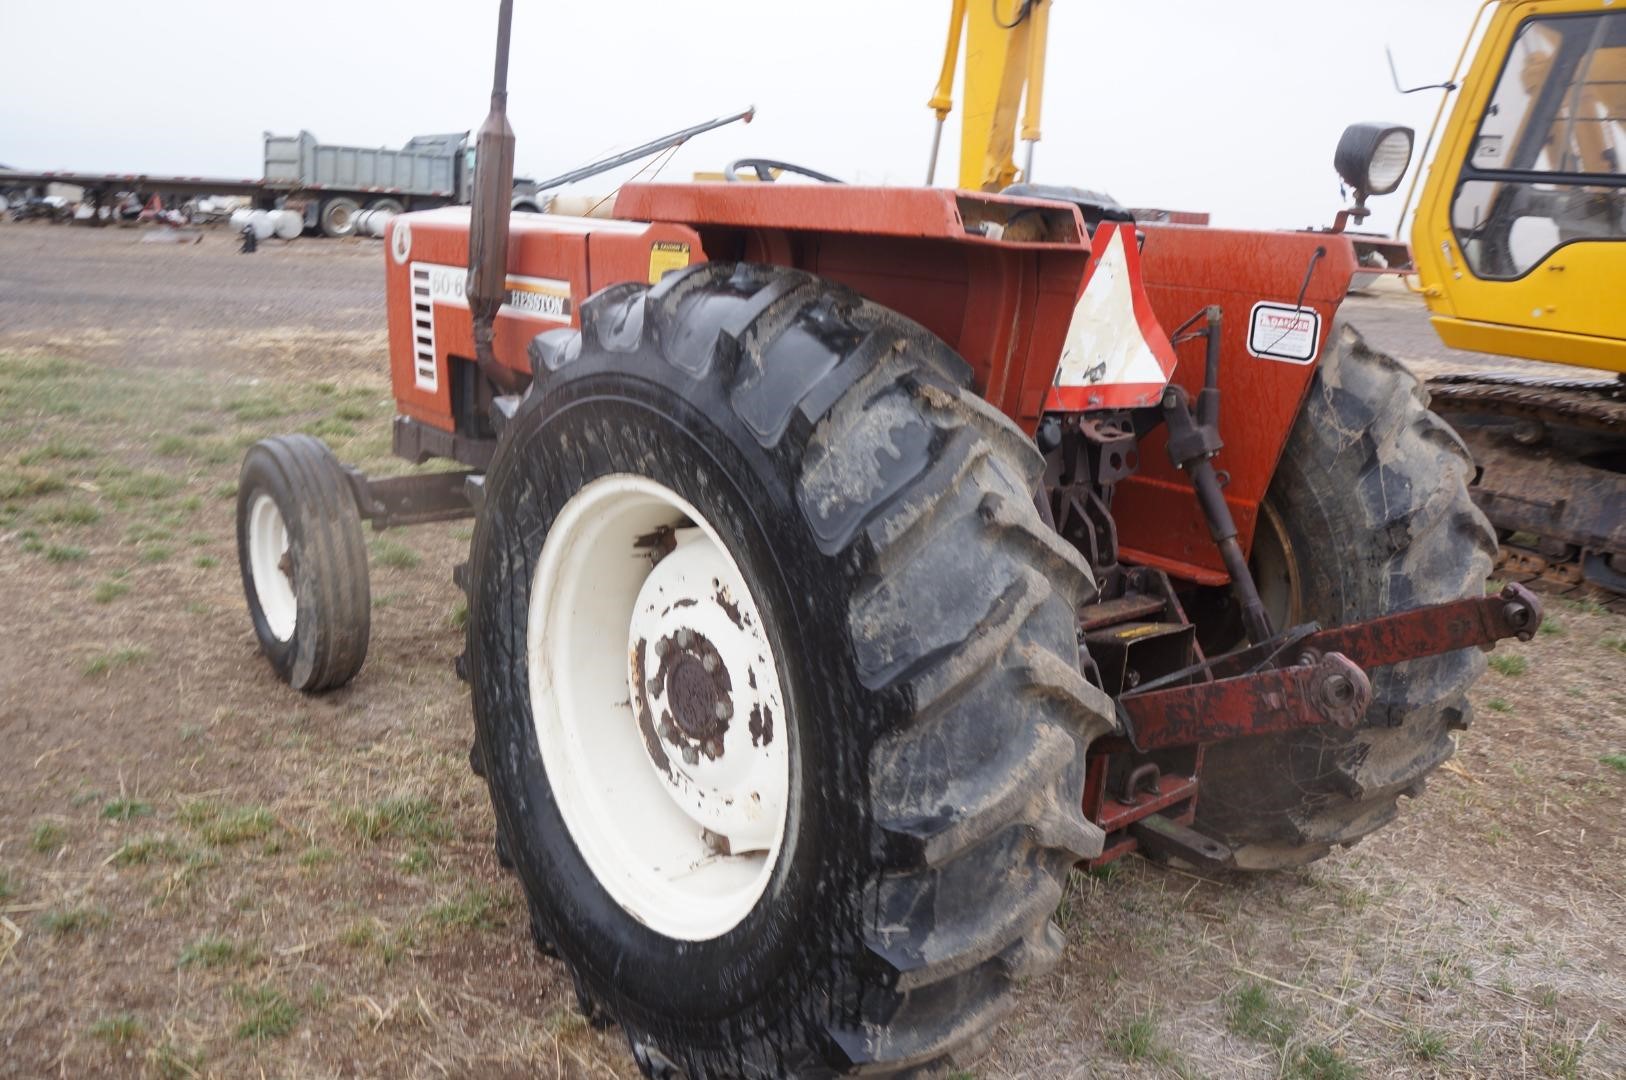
(1426, 631)
(1164, 838)
(410, 500)
(1331, 689)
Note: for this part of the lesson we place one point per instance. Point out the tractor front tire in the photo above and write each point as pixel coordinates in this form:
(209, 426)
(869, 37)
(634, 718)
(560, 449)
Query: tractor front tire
(775, 680)
(1368, 515)
(304, 562)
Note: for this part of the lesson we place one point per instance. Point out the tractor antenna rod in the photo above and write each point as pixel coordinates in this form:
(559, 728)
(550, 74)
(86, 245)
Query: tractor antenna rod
(487, 286)
(677, 138)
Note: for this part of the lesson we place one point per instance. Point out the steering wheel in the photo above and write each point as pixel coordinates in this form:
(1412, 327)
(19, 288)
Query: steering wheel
(764, 168)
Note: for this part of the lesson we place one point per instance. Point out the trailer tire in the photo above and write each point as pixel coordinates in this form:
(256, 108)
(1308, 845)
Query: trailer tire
(876, 519)
(1368, 515)
(304, 562)
(338, 217)
(389, 206)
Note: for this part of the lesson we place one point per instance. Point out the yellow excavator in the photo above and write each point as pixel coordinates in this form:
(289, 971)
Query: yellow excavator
(1519, 247)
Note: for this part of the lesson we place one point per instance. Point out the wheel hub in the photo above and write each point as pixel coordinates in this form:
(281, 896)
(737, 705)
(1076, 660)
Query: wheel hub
(699, 661)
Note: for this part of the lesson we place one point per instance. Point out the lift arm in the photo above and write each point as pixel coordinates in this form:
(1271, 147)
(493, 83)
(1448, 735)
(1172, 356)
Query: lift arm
(1004, 56)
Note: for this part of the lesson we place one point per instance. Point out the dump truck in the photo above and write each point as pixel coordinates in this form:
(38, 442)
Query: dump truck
(851, 563)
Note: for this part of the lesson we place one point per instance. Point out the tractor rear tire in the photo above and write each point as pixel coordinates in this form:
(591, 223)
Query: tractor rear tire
(1368, 515)
(872, 522)
(304, 562)
(338, 217)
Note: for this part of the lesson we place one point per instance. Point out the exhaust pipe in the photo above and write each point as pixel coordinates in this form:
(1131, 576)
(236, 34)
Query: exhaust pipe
(487, 285)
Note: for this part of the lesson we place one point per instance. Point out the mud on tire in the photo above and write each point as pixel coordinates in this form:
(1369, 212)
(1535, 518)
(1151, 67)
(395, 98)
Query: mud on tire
(1371, 501)
(923, 621)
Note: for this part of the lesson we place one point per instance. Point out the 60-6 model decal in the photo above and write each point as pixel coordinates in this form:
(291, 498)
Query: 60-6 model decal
(543, 299)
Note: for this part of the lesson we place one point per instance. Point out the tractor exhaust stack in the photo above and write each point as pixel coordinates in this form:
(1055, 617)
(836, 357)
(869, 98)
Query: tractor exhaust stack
(488, 228)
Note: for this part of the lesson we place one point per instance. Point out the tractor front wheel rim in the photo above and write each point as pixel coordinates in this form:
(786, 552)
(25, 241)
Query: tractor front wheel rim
(658, 707)
(270, 561)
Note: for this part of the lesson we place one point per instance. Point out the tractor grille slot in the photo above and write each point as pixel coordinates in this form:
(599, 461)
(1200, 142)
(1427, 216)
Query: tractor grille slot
(423, 331)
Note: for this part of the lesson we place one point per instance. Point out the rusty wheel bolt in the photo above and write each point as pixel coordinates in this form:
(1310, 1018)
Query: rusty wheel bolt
(662, 647)
(669, 731)
(710, 664)
(691, 756)
(684, 637)
(724, 710)
(714, 749)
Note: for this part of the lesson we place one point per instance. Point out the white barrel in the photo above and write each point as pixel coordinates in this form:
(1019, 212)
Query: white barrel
(4, 205)
(361, 223)
(240, 218)
(260, 222)
(378, 221)
(287, 224)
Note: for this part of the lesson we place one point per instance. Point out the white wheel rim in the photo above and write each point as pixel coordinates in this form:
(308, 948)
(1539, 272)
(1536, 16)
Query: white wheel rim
(270, 566)
(678, 809)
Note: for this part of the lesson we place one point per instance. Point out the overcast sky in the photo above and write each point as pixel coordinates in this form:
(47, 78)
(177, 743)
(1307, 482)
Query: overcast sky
(1229, 107)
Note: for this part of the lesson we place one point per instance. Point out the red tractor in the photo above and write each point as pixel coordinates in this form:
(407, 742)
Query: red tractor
(851, 563)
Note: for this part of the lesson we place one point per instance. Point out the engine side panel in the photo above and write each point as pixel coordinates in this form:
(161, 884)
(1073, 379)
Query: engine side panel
(554, 264)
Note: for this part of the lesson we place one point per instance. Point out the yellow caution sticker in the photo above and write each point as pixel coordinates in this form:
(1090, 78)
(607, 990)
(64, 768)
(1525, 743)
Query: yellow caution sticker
(666, 256)
(1134, 633)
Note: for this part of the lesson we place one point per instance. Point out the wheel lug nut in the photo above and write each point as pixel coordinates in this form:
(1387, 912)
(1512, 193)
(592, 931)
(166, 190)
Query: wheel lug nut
(714, 749)
(683, 638)
(662, 647)
(724, 710)
(669, 731)
(710, 664)
(691, 756)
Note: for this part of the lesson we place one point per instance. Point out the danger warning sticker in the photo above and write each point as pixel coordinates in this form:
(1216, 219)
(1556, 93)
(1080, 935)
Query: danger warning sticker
(1283, 332)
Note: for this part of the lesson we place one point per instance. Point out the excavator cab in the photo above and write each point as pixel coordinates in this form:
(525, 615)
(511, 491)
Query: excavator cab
(1519, 231)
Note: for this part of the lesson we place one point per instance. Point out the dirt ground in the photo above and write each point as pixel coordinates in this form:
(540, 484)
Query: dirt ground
(205, 874)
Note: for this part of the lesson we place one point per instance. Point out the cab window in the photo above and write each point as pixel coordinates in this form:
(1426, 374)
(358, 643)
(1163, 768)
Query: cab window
(1548, 164)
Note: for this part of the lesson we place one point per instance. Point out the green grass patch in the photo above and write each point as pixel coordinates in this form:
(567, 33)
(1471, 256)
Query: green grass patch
(1551, 627)
(1426, 1044)
(330, 428)
(419, 860)
(47, 838)
(76, 514)
(1497, 704)
(156, 553)
(1136, 1039)
(29, 485)
(1615, 761)
(459, 618)
(394, 554)
(1509, 663)
(55, 449)
(313, 857)
(61, 553)
(420, 820)
(8, 886)
(250, 409)
(116, 1030)
(127, 486)
(103, 663)
(74, 921)
(476, 909)
(1616, 643)
(146, 849)
(205, 562)
(1321, 1063)
(122, 809)
(108, 591)
(1252, 1012)
(268, 1013)
(351, 412)
(227, 490)
(170, 1062)
(226, 826)
(214, 951)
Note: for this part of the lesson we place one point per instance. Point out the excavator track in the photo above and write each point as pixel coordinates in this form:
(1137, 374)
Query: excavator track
(1551, 457)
